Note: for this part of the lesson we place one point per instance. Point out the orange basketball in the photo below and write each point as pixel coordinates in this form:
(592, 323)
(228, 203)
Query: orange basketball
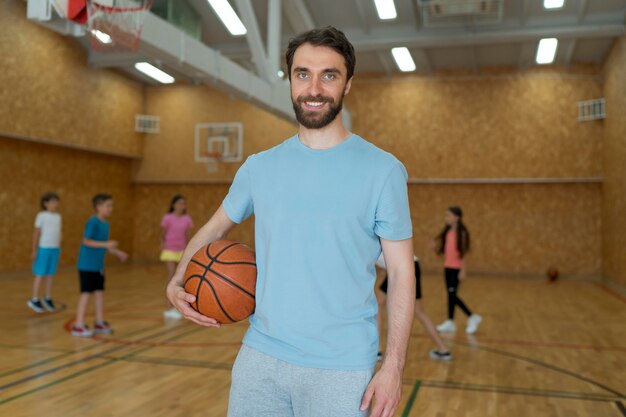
(222, 276)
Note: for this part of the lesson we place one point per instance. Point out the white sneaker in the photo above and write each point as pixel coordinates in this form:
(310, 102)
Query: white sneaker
(472, 323)
(172, 314)
(447, 326)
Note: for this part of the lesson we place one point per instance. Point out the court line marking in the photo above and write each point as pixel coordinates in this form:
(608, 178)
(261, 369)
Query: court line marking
(571, 395)
(70, 353)
(610, 291)
(547, 366)
(411, 400)
(78, 361)
(156, 360)
(536, 344)
(34, 347)
(85, 371)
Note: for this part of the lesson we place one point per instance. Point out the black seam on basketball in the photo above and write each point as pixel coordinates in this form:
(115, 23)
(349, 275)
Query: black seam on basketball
(198, 263)
(216, 258)
(217, 261)
(234, 284)
(218, 299)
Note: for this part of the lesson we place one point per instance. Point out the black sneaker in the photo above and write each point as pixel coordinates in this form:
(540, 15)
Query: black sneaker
(49, 304)
(35, 304)
(441, 356)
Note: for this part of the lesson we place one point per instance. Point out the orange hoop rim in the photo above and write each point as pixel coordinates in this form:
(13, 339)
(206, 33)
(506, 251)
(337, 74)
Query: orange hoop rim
(109, 9)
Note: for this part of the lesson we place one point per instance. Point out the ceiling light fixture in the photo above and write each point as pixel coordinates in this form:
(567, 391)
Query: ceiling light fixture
(229, 18)
(154, 73)
(403, 59)
(386, 9)
(546, 50)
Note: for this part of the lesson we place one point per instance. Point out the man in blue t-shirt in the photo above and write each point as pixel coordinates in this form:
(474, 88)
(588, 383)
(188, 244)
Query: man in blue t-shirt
(325, 201)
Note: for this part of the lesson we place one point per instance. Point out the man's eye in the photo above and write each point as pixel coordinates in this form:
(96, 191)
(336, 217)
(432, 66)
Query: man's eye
(302, 75)
(329, 76)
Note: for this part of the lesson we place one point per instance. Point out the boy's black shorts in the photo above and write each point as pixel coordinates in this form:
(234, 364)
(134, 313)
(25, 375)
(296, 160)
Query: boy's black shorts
(91, 281)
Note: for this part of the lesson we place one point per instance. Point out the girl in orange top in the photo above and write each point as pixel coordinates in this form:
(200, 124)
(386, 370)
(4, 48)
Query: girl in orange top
(454, 243)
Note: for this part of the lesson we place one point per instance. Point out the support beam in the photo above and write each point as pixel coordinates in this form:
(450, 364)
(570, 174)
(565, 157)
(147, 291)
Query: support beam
(298, 15)
(422, 61)
(525, 12)
(582, 8)
(569, 52)
(361, 12)
(253, 37)
(382, 57)
(273, 37)
(466, 37)
(375, 42)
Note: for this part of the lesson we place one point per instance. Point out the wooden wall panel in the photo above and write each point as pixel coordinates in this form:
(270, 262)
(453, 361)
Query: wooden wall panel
(152, 202)
(614, 210)
(29, 169)
(48, 91)
(515, 228)
(169, 156)
(495, 125)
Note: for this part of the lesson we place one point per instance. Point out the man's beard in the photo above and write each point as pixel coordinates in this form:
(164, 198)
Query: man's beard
(317, 120)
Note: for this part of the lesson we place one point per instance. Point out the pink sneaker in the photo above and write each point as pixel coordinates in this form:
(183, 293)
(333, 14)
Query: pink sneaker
(81, 331)
(102, 327)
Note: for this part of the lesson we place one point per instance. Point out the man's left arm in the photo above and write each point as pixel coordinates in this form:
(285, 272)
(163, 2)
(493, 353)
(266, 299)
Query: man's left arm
(386, 386)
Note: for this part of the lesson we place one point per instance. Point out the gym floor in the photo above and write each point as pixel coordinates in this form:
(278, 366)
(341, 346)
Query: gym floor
(552, 350)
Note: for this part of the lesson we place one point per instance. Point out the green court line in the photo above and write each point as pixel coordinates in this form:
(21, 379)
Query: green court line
(411, 400)
(28, 347)
(70, 353)
(109, 361)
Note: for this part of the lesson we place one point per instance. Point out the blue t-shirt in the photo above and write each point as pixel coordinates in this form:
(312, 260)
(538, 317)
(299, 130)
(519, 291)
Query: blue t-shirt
(318, 218)
(92, 259)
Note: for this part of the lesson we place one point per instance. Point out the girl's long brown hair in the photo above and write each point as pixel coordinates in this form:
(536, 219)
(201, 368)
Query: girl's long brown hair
(462, 234)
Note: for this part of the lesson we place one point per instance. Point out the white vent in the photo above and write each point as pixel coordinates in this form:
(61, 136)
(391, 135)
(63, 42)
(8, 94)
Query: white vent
(147, 124)
(442, 8)
(454, 13)
(591, 109)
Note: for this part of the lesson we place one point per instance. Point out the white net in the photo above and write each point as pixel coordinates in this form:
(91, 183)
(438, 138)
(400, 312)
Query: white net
(115, 25)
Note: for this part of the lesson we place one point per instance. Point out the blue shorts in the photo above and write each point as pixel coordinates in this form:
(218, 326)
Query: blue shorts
(46, 261)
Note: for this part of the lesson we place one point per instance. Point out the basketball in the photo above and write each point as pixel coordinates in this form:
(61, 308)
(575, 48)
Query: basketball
(552, 273)
(222, 276)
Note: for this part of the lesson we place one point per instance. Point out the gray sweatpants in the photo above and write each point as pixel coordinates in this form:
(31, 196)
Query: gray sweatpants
(263, 386)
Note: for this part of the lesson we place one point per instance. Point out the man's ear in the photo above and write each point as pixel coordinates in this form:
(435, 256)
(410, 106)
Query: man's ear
(348, 86)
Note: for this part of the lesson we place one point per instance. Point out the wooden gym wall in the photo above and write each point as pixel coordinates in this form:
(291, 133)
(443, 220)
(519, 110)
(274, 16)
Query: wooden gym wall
(614, 188)
(63, 127)
(498, 125)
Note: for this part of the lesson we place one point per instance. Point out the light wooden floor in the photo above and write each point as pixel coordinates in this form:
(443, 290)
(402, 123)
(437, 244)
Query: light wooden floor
(543, 350)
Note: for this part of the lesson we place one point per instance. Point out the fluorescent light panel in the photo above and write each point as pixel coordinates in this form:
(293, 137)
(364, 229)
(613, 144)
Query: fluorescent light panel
(154, 73)
(101, 36)
(553, 4)
(403, 59)
(229, 18)
(546, 50)
(386, 9)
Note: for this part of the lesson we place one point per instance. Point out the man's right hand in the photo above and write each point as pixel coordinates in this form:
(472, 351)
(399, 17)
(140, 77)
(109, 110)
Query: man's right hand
(182, 301)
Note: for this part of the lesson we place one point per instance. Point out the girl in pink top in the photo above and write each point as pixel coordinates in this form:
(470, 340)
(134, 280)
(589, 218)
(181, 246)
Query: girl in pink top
(454, 243)
(176, 225)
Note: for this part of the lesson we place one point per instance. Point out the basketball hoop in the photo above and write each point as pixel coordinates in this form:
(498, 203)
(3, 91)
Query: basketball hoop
(211, 159)
(115, 25)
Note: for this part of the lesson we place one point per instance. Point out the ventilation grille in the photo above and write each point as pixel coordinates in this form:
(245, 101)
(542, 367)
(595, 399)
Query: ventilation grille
(147, 124)
(460, 12)
(591, 109)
